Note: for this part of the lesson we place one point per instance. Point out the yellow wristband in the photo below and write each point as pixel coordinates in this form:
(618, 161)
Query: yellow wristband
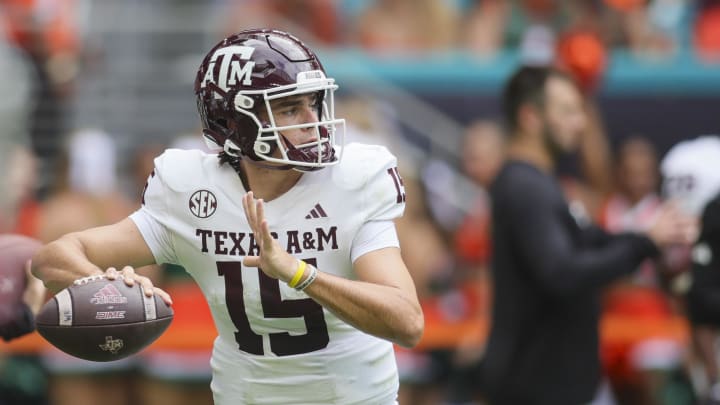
(298, 274)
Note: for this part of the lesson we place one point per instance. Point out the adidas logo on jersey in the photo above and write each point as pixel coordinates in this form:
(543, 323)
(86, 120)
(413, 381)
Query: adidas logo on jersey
(316, 212)
(108, 295)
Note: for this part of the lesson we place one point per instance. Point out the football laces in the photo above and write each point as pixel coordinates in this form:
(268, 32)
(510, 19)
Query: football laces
(88, 279)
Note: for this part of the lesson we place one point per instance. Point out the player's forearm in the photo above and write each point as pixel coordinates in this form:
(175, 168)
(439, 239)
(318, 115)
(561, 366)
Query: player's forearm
(383, 311)
(61, 262)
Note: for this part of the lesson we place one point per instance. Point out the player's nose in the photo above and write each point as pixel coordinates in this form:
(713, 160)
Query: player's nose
(310, 116)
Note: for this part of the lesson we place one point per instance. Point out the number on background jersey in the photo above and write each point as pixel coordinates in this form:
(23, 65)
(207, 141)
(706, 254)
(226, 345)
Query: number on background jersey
(678, 186)
(399, 185)
(282, 343)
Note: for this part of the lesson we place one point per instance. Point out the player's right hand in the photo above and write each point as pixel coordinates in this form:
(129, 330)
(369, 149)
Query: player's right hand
(272, 258)
(130, 277)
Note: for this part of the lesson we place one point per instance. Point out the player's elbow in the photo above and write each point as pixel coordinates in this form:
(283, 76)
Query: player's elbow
(412, 330)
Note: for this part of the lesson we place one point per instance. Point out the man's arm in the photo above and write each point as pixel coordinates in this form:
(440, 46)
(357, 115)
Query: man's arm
(91, 252)
(552, 255)
(382, 302)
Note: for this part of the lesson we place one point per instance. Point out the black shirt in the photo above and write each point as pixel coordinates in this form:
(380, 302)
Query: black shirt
(547, 271)
(704, 295)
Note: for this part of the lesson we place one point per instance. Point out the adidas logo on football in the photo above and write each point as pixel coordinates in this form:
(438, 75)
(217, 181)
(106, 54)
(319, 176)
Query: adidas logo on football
(316, 212)
(108, 295)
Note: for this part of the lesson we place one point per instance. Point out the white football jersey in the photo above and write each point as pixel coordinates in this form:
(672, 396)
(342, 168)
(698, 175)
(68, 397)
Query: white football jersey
(275, 344)
(691, 172)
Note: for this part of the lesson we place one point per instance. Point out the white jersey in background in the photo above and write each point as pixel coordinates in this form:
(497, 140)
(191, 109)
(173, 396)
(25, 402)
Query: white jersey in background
(691, 172)
(275, 344)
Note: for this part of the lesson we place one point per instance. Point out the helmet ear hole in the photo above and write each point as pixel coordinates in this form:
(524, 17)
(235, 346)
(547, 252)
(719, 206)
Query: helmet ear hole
(261, 147)
(244, 102)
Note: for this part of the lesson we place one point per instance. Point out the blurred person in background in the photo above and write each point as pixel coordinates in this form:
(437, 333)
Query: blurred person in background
(548, 267)
(482, 156)
(86, 191)
(406, 26)
(706, 30)
(288, 332)
(18, 205)
(483, 26)
(690, 177)
(315, 19)
(648, 29)
(483, 151)
(85, 194)
(643, 335)
(49, 34)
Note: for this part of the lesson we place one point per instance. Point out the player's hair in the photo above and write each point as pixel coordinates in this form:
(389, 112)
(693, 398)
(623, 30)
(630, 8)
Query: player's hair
(527, 85)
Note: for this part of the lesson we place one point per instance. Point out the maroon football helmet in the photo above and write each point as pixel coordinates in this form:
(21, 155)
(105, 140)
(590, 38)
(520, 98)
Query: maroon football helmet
(241, 75)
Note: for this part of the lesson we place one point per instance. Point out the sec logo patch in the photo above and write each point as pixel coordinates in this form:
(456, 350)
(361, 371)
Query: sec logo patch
(202, 203)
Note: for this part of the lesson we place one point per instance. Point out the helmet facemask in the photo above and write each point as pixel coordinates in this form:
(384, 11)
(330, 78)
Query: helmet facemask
(272, 146)
(330, 131)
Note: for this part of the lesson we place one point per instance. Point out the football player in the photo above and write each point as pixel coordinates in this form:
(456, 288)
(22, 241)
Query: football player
(691, 176)
(300, 266)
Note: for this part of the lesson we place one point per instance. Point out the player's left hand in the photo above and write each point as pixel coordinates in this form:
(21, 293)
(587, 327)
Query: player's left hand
(273, 260)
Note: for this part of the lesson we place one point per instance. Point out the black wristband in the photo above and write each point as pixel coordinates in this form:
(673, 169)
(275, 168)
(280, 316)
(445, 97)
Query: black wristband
(22, 324)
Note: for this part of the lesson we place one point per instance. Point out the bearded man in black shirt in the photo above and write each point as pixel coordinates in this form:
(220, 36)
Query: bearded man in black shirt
(548, 267)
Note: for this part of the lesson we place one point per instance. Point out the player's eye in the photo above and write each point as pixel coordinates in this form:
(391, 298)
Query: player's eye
(289, 112)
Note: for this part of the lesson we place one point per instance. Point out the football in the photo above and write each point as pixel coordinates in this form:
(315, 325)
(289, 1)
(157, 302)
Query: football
(15, 252)
(99, 319)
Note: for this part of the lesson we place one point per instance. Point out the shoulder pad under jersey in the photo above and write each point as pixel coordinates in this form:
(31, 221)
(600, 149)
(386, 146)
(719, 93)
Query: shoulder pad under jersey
(360, 163)
(182, 170)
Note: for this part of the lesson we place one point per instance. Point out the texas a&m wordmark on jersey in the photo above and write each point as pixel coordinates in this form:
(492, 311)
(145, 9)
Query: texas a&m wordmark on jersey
(192, 215)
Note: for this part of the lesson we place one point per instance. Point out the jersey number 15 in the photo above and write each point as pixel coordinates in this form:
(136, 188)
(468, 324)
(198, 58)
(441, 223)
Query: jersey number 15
(281, 343)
